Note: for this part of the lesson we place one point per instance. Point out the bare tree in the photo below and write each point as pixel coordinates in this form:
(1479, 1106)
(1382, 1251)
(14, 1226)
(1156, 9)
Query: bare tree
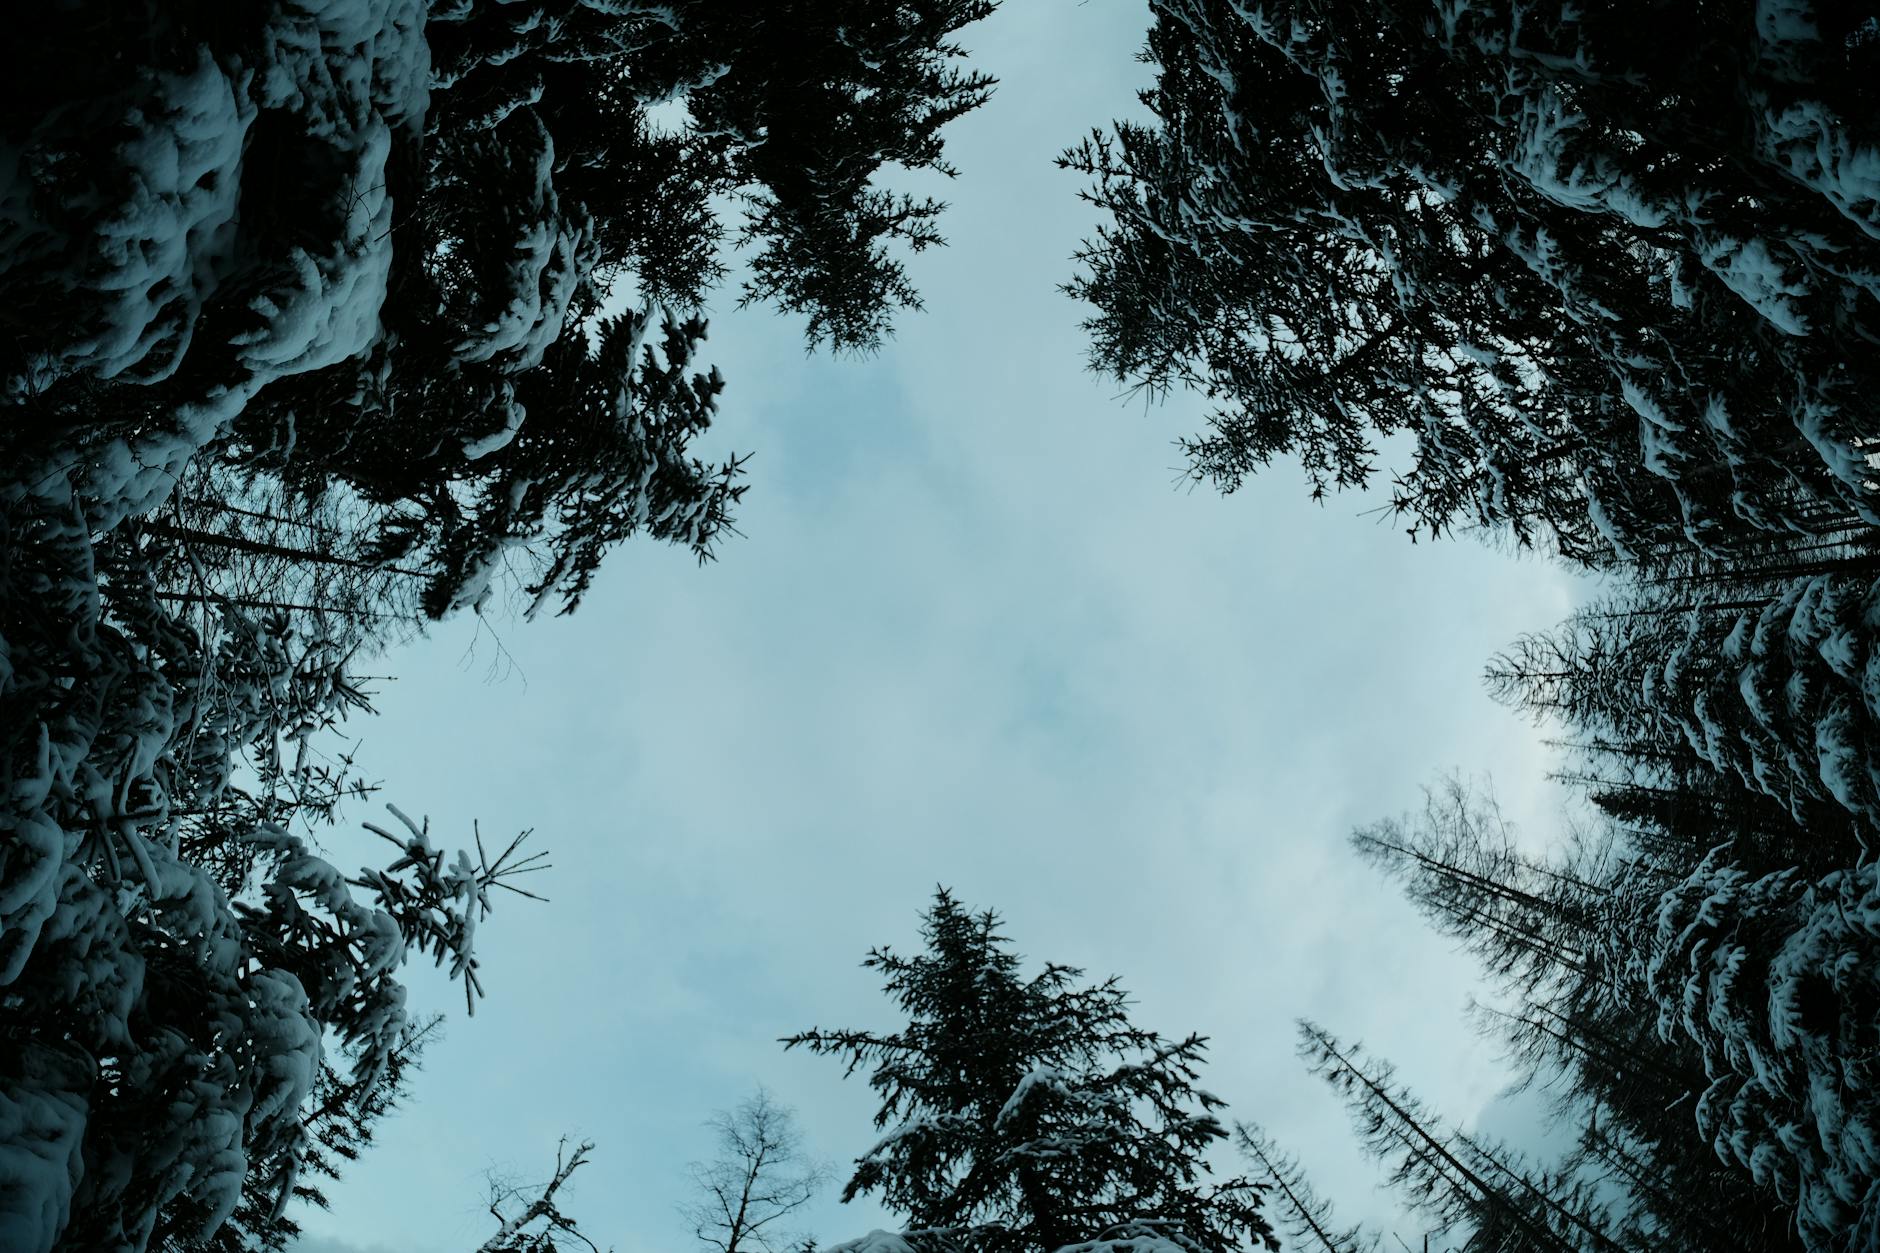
(527, 1217)
(760, 1176)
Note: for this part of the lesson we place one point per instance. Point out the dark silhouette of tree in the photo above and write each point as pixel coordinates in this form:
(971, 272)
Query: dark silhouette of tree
(1600, 1017)
(759, 1176)
(317, 322)
(1604, 264)
(1305, 1217)
(1030, 1113)
(1459, 1180)
(1527, 920)
(1766, 693)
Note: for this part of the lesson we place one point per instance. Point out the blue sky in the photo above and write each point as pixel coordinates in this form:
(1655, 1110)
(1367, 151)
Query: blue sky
(977, 633)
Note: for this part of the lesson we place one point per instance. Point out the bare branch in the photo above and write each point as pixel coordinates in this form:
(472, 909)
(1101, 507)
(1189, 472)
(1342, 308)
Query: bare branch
(760, 1176)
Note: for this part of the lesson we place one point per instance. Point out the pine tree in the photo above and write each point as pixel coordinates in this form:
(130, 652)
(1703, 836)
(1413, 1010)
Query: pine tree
(1030, 1113)
(1629, 1093)
(1678, 1195)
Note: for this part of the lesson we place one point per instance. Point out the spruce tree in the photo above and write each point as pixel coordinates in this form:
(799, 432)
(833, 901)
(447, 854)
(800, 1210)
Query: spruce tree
(1539, 925)
(1769, 691)
(1772, 978)
(338, 1125)
(313, 323)
(1029, 1113)
(1562, 938)
(1607, 266)
(416, 251)
(1459, 1180)
(1305, 1216)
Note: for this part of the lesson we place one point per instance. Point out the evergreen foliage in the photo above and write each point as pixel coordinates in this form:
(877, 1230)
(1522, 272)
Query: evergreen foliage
(323, 320)
(1608, 266)
(1030, 1113)
(1659, 992)
(1769, 688)
(1605, 274)
(1305, 1217)
(1459, 1180)
(357, 245)
(318, 321)
(1775, 981)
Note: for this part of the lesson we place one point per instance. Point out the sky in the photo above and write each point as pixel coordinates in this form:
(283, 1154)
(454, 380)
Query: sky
(979, 633)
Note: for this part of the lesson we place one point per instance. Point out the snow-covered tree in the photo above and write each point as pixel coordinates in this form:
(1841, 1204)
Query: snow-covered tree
(175, 960)
(358, 244)
(1771, 692)
(312, 322)
(1678, 1196)
(188, 1031)
(1627, 1093)
(529, 1217)
(338, 1126)
(1774, 980)
(1030, 1113)
(1561, 936)
(1608, 266)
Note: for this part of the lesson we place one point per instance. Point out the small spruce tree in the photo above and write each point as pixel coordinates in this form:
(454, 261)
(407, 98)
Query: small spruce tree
(1029, 1113)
